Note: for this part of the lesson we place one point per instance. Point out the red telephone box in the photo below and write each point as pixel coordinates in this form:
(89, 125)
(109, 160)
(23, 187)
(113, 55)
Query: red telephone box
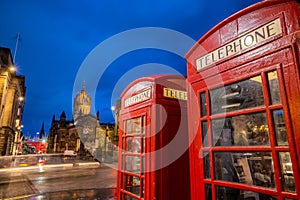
(243, 109)
(153, 140)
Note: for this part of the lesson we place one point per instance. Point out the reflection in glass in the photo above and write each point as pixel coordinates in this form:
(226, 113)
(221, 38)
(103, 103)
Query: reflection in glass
(137, 145)
(133, 163)
(133, 126)
(222, 132)
(251, 168)
(136, 122)
(205, 134)
(241, 95)
(133, 144)
(203, 104)
(128, 127)
(274, 88)
(287, 174)
(241, 130)
(129, 144)
(227, 193)
(280, 129)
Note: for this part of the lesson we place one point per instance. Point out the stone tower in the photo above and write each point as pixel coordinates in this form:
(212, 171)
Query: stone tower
(82, 103)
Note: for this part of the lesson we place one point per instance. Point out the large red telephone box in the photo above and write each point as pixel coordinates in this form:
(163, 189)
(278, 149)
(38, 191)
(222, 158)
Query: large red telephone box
(244, 106)
(153, 140)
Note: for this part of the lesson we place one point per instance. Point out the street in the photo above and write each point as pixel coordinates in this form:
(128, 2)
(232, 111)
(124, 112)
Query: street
(88, 181)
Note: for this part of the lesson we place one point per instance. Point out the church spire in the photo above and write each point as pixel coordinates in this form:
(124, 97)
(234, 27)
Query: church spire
(42, 132)
(63, 115)
(98, 115)
(83, 86)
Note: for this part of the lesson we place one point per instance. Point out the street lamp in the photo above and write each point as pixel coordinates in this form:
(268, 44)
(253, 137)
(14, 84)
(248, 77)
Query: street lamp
(21, 98)
(12, 69)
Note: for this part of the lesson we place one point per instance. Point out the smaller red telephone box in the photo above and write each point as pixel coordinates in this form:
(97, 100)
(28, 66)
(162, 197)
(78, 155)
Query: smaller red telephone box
(153, 140)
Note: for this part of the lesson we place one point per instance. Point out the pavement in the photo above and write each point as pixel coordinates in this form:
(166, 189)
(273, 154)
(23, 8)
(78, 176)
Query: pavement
(91, 194)
(12, 178)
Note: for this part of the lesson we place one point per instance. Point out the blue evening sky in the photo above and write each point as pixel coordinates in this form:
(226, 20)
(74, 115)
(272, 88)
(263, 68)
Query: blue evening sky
(57, 36)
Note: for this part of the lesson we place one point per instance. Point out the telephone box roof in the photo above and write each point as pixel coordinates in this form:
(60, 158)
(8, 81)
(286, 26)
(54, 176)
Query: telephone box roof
(160, 78)
(240, 22)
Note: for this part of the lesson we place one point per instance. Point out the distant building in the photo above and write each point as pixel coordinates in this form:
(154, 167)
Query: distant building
(84, 134)
(12, 93)
(62, 135)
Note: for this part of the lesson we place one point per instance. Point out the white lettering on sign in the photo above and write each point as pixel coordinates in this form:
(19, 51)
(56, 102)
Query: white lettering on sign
(175, 94)
(259, 35)
(140, 97)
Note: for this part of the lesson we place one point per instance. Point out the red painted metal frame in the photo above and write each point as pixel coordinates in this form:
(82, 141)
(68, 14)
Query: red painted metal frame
(172, 181)
(280, 53)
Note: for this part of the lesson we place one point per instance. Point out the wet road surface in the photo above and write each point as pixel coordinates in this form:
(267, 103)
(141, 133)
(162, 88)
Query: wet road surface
(67, 182)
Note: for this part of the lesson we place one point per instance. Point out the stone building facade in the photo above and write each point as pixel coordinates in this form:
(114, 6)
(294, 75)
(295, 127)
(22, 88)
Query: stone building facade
(83, 134)
(12, 93)
(62, 135)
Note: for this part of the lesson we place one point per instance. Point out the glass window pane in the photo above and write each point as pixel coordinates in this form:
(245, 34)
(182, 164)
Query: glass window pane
(280, 128)
(129, 144)
(222, 132)
(274, 88)
(206, 165)
(136, 186)
(251, 168)
(143, 144)
(241, 130)
(137, 145)
(133, 164)
(208, 192)
(244, 94)
(203, 104)
(128, 127)
(143, 165)
(133, 126)
(133, 144)
(131, 184)
(226, 193)
(287, 174)
(136, 122)
(143, 124)
(205, 134)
